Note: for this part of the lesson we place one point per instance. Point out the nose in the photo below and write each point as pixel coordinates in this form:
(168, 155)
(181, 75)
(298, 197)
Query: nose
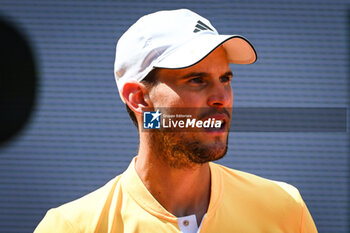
(220, 96)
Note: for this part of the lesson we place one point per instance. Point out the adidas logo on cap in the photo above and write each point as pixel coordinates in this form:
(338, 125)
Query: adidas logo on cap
(200, 26)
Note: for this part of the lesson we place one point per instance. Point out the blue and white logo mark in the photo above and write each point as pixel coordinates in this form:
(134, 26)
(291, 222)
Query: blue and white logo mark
(151, 120)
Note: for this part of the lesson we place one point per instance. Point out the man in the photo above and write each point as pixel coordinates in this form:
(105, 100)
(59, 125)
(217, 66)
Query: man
(167, 61)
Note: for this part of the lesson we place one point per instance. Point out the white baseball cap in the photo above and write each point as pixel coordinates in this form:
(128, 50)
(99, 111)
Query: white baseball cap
(173, 39)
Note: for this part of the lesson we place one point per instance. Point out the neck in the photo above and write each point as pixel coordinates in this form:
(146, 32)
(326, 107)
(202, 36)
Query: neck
(181, 191)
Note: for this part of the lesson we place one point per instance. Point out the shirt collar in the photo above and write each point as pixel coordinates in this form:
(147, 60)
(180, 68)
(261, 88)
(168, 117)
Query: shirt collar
(132, 183)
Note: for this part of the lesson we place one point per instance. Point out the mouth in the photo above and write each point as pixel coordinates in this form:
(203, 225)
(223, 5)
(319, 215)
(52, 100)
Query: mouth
(220, 126)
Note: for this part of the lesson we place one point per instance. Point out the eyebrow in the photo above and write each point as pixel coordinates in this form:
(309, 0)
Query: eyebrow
(204, 74)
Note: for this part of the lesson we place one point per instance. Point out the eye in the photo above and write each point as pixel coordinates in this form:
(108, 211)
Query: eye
(197, 80)
(225, 79)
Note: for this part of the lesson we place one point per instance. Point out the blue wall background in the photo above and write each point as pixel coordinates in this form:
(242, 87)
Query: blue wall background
(80, 136)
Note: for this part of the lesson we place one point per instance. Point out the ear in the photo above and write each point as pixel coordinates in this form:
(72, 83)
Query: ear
(136, 97)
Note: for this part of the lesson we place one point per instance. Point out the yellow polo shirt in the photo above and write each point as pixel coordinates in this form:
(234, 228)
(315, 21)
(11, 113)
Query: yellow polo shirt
(239, 202)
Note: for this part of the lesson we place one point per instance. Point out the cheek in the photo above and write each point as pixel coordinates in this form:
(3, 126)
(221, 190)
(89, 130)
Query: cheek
(194, 101)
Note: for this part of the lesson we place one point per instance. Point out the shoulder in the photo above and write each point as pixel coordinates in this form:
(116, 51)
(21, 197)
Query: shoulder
(83, 212)
(258, 188)
(267, 203)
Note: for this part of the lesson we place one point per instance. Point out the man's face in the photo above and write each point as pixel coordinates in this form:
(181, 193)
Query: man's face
(205, 90)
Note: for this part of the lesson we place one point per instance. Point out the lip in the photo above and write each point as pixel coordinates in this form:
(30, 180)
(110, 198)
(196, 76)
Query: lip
(217, 116)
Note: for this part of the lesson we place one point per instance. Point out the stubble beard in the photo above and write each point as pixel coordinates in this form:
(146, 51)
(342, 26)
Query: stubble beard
(183, 150)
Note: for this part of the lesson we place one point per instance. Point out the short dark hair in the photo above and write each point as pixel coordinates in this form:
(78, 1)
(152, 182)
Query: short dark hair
(150, 80)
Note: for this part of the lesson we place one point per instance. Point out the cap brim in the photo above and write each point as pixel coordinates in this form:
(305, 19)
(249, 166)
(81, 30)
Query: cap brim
(238, 50)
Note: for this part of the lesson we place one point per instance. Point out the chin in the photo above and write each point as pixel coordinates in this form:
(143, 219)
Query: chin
(187, 150)
(208, 152)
